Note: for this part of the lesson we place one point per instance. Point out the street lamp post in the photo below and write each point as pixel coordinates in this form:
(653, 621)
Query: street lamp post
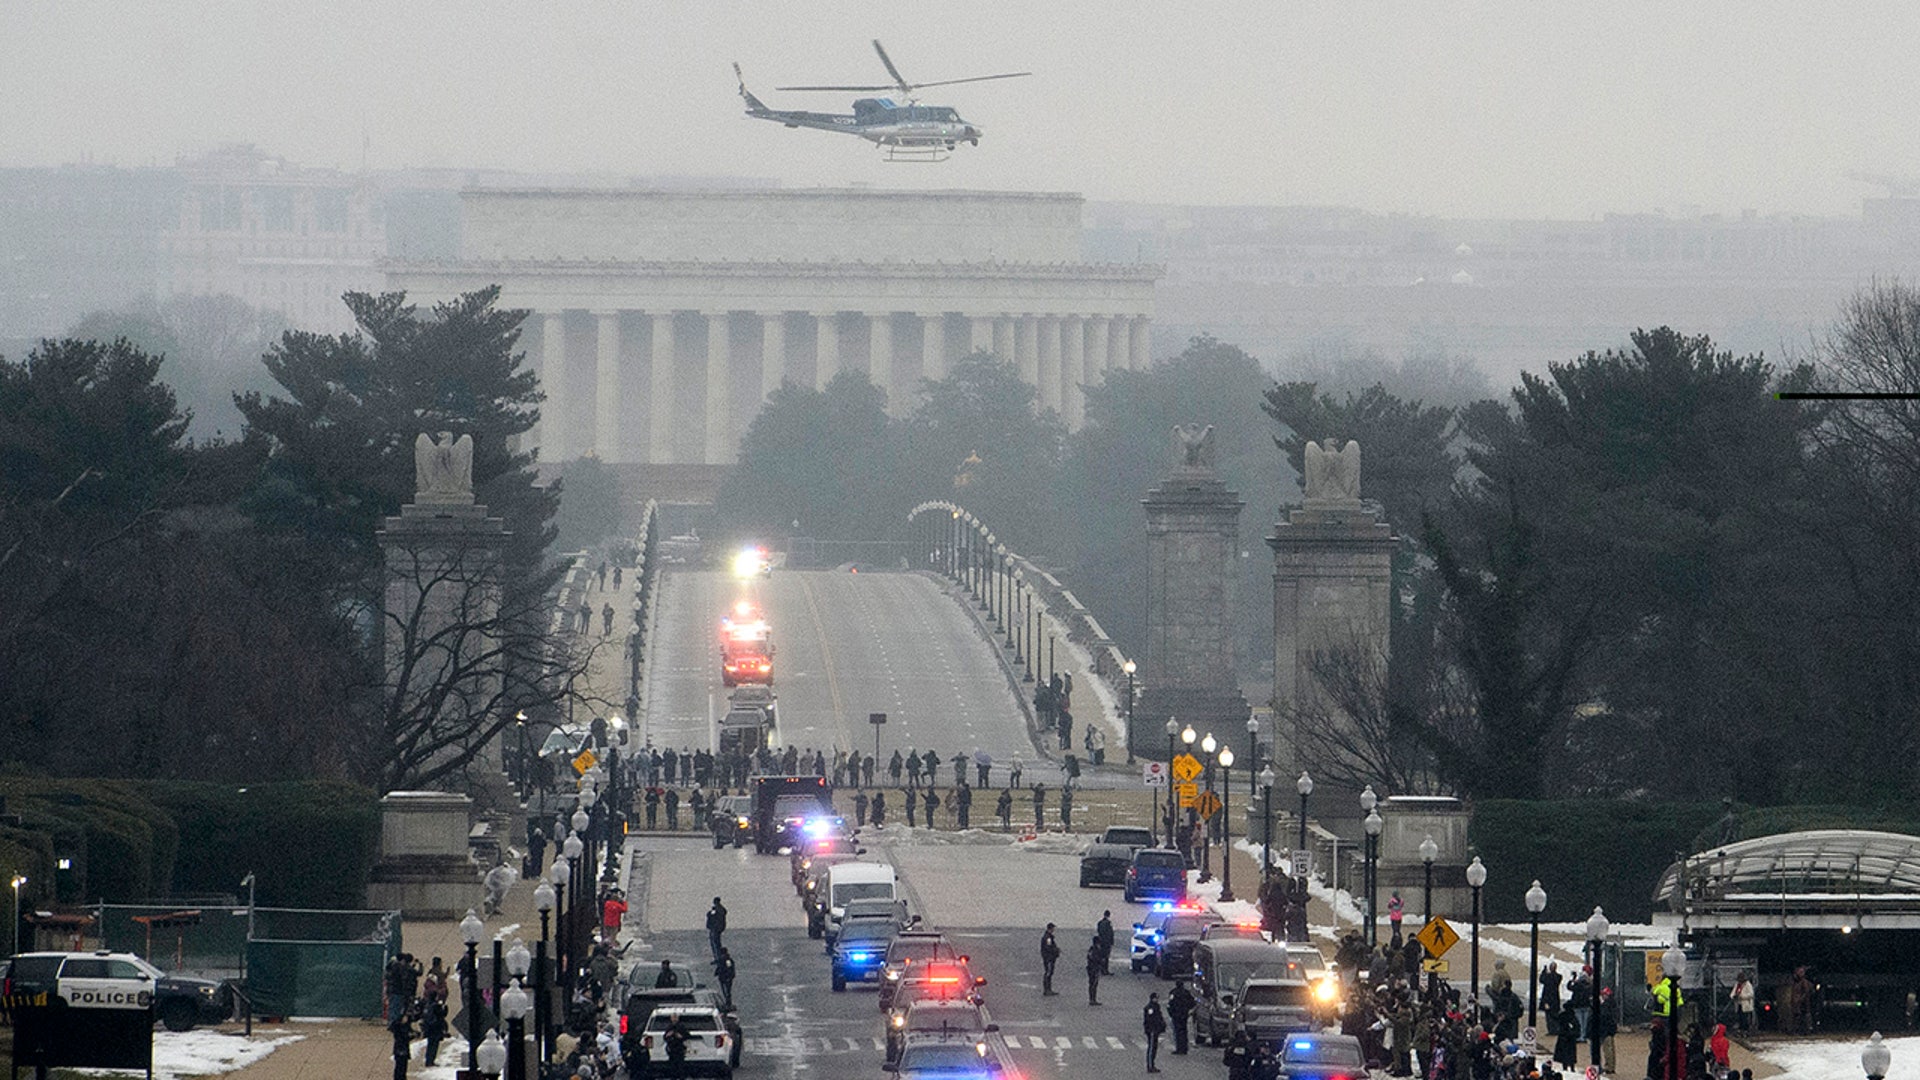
(1253, 770)
(1672, 963)
(1430, 851)
(1536, 903)
(1173, 729)
(1208, 745)
(470, 930)
(1876, 1059)
(514, 1004)
(562, 876)
(499, 970)
(1226, 824)
(1373, 825)
(1266, 852)
(520, 719)
(1304, 786)
(1128, 667)
(1476, 877)
(492, 1055)
(21, 879)
(543, 901)
(1597, 930)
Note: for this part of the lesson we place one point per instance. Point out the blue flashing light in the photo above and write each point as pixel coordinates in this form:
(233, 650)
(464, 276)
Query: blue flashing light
(1301, 1044)
(819, 827)
(860, 957)
(1163, 905)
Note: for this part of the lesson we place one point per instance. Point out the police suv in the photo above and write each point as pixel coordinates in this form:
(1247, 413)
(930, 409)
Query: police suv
(112, 980)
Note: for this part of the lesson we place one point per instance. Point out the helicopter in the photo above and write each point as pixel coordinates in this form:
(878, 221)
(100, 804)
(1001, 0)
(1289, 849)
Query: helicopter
(907, 132)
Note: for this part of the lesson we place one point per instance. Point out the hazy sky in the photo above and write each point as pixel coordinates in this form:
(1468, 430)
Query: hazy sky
(1479, 107)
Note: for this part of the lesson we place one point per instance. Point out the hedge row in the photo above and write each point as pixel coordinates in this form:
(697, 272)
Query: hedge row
(309, 844)
(1612, 852)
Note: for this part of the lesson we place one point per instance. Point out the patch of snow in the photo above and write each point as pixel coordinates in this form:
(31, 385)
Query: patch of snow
(206, 1052)
(1832, 1059)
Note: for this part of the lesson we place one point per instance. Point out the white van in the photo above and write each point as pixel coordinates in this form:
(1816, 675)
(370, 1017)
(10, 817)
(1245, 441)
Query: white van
(850, 881)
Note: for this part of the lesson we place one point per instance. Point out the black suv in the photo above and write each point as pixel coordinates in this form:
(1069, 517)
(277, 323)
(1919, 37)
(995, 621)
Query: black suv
(179, 1002)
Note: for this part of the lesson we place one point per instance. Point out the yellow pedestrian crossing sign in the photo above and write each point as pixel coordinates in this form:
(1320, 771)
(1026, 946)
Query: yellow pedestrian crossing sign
(1437, 936)
(1186, 768)
(585, 761)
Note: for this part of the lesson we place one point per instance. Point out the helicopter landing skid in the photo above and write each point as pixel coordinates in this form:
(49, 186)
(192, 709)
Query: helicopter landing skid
(923, 155)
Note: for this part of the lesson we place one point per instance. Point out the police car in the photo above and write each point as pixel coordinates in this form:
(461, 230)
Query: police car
(1150, 933)
(114, 980)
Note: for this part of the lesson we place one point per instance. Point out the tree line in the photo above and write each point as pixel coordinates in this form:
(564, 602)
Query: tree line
(217, 608)
(1641, 572)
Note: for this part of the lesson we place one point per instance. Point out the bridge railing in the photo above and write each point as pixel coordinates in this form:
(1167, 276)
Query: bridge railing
(1030, 608)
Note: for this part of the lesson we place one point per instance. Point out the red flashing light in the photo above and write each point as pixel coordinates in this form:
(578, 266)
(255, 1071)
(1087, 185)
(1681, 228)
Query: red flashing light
(623, 1023)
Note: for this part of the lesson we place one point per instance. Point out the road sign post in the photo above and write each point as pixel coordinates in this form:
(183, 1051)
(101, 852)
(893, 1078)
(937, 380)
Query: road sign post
(878, 720)
(1153, 774)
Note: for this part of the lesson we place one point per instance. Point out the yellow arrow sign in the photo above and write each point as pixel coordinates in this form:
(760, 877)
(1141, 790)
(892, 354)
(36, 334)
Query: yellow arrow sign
(1208, 804)
(1187, 792)
(1437, 936)
(1186, 767)
(1434, 967)
(585, 761)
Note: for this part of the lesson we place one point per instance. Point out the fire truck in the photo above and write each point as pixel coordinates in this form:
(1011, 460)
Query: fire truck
(746, 648)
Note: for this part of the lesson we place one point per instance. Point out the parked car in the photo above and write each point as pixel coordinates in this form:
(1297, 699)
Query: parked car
(118, 979)
(1105, 864)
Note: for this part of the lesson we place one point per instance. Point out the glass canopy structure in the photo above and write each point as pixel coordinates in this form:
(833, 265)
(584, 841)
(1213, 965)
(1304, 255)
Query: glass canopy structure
(1839, 878)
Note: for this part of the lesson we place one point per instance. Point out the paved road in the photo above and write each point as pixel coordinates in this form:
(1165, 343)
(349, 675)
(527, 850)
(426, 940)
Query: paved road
(992, 899)
(846, 645)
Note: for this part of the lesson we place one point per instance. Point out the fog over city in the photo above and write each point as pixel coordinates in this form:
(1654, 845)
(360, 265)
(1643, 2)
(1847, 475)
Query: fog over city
(1486, 108)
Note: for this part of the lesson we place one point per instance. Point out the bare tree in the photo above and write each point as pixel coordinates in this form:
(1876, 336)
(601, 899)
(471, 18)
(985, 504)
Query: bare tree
(463, 656)
(1351, 730)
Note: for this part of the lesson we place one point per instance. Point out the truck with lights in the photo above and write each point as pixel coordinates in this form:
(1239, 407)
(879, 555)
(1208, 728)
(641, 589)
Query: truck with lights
(746, 647)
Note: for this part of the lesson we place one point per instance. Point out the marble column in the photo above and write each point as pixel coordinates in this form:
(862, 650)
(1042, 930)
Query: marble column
(1029, 350)
(1073, 369)
(1119, 343)
(1142, 348)
(1097, 350)
(826, 347)
(553, 380)
(979, 334)
(880, 354)
(773, 351)
(660, 414)
(1050, 363)
(1004, 338)
(933, 346)
(607, 441)
(719, 448)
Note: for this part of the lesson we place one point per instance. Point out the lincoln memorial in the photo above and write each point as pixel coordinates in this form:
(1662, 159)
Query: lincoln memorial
(662, 319)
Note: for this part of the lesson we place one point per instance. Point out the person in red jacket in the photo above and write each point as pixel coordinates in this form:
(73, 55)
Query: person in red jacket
(1720, 1046)
(613, 912)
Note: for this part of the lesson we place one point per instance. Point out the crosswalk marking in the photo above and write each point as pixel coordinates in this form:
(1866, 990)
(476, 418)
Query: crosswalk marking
(1114, 1043)
(1063, 1043)
(1088, 1042)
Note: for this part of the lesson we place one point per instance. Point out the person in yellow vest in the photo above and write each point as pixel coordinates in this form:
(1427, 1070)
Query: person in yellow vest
(1666, 997)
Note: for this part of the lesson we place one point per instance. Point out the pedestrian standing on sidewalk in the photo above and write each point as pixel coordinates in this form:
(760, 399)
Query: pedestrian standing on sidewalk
(1004, 807)
(1153, 1024)
(402, 1029)
(931, 803)
(1049, 956)
(1103, 936)
(723, 972)
(1039, 806)
(1066, 808)
(963, 803)
(879, 809)
(860, 807)
(913, 804)
(1094, 969)
(1013, 772)
(673, 810)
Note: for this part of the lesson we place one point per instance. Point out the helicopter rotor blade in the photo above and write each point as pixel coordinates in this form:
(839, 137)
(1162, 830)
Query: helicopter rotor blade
(976, 78)
(898, 79)
(840, 89)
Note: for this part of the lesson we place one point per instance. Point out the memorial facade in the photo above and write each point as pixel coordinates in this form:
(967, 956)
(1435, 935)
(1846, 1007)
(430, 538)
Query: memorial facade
(662, 319)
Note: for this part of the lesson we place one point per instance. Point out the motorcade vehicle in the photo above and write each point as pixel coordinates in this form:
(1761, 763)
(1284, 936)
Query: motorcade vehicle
(1157, 873)
(1219, 969)
(747, 725)
(910, 947)
(782, 806)
(731, 821)
(1128, 836)
(803, 859)
(709, 1046)
(813, 891)
(1105, 864)
(890, 913)
(118, 980)
(1174, 942)
(942, 1016)
(940, 980)
(860, 951)
(1322, 1057)
(641, 1004)
(746, 648)
(949, 1057)
(850, 881)
(1236, 931)
(1269, 1010)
